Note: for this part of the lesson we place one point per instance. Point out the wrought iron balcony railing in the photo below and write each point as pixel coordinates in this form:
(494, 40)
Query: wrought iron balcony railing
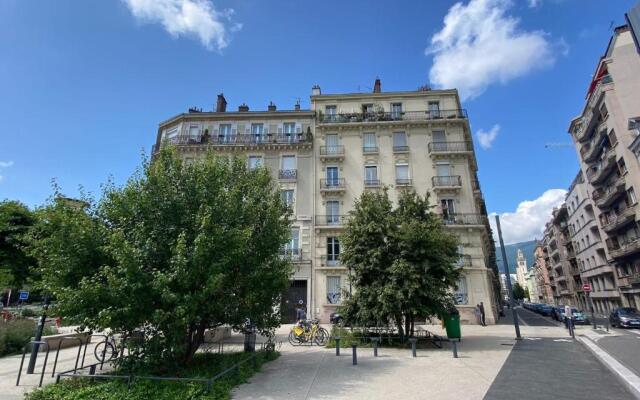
(449, 147)
(291, 253)
(288, 174)
(403, 182)
(372, 182)
(400, 149)
(337, 150)
(464, 219)
(332, 184)
(370, 150)
(330, 260)
(238, 139)
(331, 220)
(383, 116)
(447, 181)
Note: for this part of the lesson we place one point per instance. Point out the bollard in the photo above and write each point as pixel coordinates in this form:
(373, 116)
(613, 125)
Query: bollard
(337, 338)
(454, 347)
(413, 346)
(355, 353)
(375, 347)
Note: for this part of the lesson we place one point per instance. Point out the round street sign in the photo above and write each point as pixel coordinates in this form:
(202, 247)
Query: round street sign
(586, 287)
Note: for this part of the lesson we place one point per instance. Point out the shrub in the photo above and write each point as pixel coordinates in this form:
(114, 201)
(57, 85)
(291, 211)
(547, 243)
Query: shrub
(15, 334)
(28, 312)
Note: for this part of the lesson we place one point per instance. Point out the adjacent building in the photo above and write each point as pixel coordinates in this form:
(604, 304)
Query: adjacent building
(521, 269)
(325, 157)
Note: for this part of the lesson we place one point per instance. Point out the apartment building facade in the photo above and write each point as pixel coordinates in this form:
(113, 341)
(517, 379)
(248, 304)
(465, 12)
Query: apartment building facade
(542, 273)
(325, 157)
(604, 136)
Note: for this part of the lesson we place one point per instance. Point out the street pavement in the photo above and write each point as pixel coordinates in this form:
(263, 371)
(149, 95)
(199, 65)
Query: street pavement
(624, 346)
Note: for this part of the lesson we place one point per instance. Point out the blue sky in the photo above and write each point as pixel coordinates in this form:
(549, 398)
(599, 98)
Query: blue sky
(85, 83)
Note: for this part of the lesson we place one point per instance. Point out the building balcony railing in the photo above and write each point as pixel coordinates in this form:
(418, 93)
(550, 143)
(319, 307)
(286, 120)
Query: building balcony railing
(609, 194)
(448, 182)
(449, 147)
(397, 149)
(331, 220)
(332, 152)
(372, 183)
(597, 270)
(403, 182)
(291, 253)
(370, 150)
(238, 139)
(464, 219)
(606, 167)
(288, 174)
(331, 261)
(629, 280)
(620, 220)
(334, 184)
(382, 116)
(626, 249)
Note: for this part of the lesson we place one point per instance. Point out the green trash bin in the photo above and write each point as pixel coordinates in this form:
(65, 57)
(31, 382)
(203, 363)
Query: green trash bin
(452, 324)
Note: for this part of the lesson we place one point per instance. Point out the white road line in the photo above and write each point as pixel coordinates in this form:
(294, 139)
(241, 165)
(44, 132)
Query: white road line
(636, 332)
(628, 378)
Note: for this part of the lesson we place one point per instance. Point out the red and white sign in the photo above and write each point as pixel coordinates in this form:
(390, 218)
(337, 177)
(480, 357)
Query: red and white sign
(586, 287)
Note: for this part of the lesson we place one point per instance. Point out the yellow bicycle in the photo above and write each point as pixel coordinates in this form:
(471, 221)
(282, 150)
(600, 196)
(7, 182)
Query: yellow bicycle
(308, 332)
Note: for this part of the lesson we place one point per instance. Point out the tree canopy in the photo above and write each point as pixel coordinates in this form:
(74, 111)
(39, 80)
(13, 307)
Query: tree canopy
(181, 248)
(518, 291)
(402, 262)
(15, 221)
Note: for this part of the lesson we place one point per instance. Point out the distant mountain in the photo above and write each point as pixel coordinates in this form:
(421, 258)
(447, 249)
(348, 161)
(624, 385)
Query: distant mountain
(512, 254)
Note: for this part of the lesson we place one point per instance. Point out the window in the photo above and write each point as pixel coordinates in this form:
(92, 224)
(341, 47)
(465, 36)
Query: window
(631, 196)
(333, 289)
(289, 163)
(255, 162)
(171, 134)
(289, 128)
(333, 250)
(331, 112)
(400, 141)
(371, 175)
(287, 197)
(331, 141)
(461, 295)
(396, 110)
(434, 109)
(367, 109)
(194, 132)
(257, 130)
(448, 207)
(439, 141)
(443, 169)
(370, 143)
(292, 247)
(225, 133)
(402, 174)
(332, 176)
(333, 212)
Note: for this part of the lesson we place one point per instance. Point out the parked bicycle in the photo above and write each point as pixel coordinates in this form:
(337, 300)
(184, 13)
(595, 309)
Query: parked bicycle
(113, 346)
(308, 331)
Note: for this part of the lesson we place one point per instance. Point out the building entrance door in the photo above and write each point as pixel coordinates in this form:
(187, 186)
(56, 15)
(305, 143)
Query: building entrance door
(297, 291)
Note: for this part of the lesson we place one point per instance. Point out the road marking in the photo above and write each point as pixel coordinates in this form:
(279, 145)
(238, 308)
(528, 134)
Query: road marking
(636, 332)
(533, 338)
(562, 340)
(628, 378)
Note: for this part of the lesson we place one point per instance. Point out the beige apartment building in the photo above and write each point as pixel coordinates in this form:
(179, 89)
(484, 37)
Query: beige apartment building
(325, 157)
(543, 275)
(605, 136)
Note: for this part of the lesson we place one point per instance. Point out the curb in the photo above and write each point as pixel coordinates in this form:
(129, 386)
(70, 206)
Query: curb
(630, 380)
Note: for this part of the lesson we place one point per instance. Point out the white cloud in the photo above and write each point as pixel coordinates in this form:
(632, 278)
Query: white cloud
(480, 45)
(534, 3)
(5, 164)
(529, 219)
(486, 138)
(196, 18)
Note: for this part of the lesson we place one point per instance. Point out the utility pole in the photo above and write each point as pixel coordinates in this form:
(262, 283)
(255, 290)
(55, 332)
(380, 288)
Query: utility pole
(35, 347)
(507, 279)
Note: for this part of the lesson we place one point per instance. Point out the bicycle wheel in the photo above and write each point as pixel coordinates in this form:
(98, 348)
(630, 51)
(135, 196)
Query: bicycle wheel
(321, 337)
(293, 339)
(104, 351)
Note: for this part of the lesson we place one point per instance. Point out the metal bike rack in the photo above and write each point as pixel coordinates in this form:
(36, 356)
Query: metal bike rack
(24, 353)
(55, 362)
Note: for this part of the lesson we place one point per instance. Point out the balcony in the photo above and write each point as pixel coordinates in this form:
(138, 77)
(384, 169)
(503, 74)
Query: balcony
(606, 293)
(451, 219)
(332, 153)
(372, 183)
(331, 221)
(449, 147)
(330, 262)
(288, 174)
(620, 220)
(447, 182)
(606, 166)
(294, 254)
(626, 249)
(629, 280)
(400, 149)
(394, 116)
(334, 185)
(400, 182)
(609, 194)
(370, 150)
(244, 140)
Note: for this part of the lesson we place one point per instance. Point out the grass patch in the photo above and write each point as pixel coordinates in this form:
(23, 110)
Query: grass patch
(203, 366)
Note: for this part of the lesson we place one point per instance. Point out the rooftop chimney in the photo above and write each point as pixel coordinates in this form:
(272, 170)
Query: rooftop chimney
(376, 86)
(243, 107)
(221, 104)
(271, 107)
(315, 90)
(297, 106)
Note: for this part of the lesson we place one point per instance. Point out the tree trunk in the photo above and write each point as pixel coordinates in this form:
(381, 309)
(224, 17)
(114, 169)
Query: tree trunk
(194, 338)
(413, 320)
(400, 330)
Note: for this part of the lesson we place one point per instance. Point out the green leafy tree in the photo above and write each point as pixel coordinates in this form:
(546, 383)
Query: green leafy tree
(518, 291)
(15, 221)
(181, 248)
(401, 259)
(526, 294)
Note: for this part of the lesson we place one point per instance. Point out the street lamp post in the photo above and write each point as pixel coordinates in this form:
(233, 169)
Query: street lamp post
(35, 347)
(507, 280)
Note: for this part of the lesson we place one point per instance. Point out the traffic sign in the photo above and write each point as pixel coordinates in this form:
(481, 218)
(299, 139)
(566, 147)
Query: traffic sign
(586, 287)
(24, 295)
